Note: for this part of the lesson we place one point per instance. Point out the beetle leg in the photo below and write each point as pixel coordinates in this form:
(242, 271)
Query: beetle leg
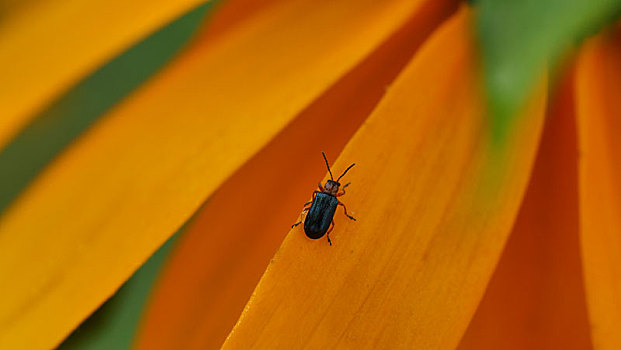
(345, 209)
(305, 209)
(302, 213)
(330, 230)
(312, 200)
(342, 193)
(320, 187)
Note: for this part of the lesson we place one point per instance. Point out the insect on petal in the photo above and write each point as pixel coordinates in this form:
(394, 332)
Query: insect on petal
(206, 284)
(100, 209)
(438, 201)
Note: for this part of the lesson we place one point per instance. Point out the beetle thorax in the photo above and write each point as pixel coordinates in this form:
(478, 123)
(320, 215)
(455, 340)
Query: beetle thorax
(332, 187)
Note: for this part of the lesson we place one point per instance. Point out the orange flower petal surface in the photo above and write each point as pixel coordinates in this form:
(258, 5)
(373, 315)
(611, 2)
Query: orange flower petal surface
(598, 91)
(435, 200)
(535, 300)
(220, 258)
(47, 46)
(111, 199)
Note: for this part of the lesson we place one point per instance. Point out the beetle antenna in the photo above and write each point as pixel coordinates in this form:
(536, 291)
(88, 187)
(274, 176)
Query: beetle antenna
(337, 180)
(328, 165)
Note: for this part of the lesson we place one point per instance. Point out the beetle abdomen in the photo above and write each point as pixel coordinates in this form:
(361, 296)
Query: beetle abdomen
(320, 214)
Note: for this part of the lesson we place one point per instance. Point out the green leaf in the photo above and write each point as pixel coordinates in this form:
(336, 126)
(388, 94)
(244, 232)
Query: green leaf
(519, 38)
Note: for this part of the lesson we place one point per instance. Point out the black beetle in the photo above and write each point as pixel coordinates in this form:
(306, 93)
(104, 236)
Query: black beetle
(321, 212)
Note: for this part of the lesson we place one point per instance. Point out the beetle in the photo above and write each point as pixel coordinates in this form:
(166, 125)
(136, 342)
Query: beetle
(320, 215)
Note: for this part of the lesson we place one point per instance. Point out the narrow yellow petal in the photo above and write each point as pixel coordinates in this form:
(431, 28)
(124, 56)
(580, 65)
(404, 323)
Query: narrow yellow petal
(435, 200)
(100, 209)
(598, 93)
(47, 46)
(536, 299)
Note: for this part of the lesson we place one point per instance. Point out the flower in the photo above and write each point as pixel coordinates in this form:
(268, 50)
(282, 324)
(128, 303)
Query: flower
(227, 138)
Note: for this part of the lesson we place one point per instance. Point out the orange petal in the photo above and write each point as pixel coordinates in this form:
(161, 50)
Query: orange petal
(219, 259)
(36, 38)
(598, 91)
(535, 300)
(111, 199)
(435, 200)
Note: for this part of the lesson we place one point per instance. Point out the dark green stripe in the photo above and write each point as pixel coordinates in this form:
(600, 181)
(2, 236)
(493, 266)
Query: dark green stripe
(113, 325)
(51, 131)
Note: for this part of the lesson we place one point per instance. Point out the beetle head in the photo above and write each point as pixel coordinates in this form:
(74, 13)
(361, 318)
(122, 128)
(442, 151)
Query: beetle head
(332, 187)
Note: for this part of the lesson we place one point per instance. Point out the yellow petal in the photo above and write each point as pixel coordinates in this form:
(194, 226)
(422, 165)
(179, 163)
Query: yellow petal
(598, 91)
(107, 203)
(535, 300)
(435, 200)
(47, 46)
(219, 259)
